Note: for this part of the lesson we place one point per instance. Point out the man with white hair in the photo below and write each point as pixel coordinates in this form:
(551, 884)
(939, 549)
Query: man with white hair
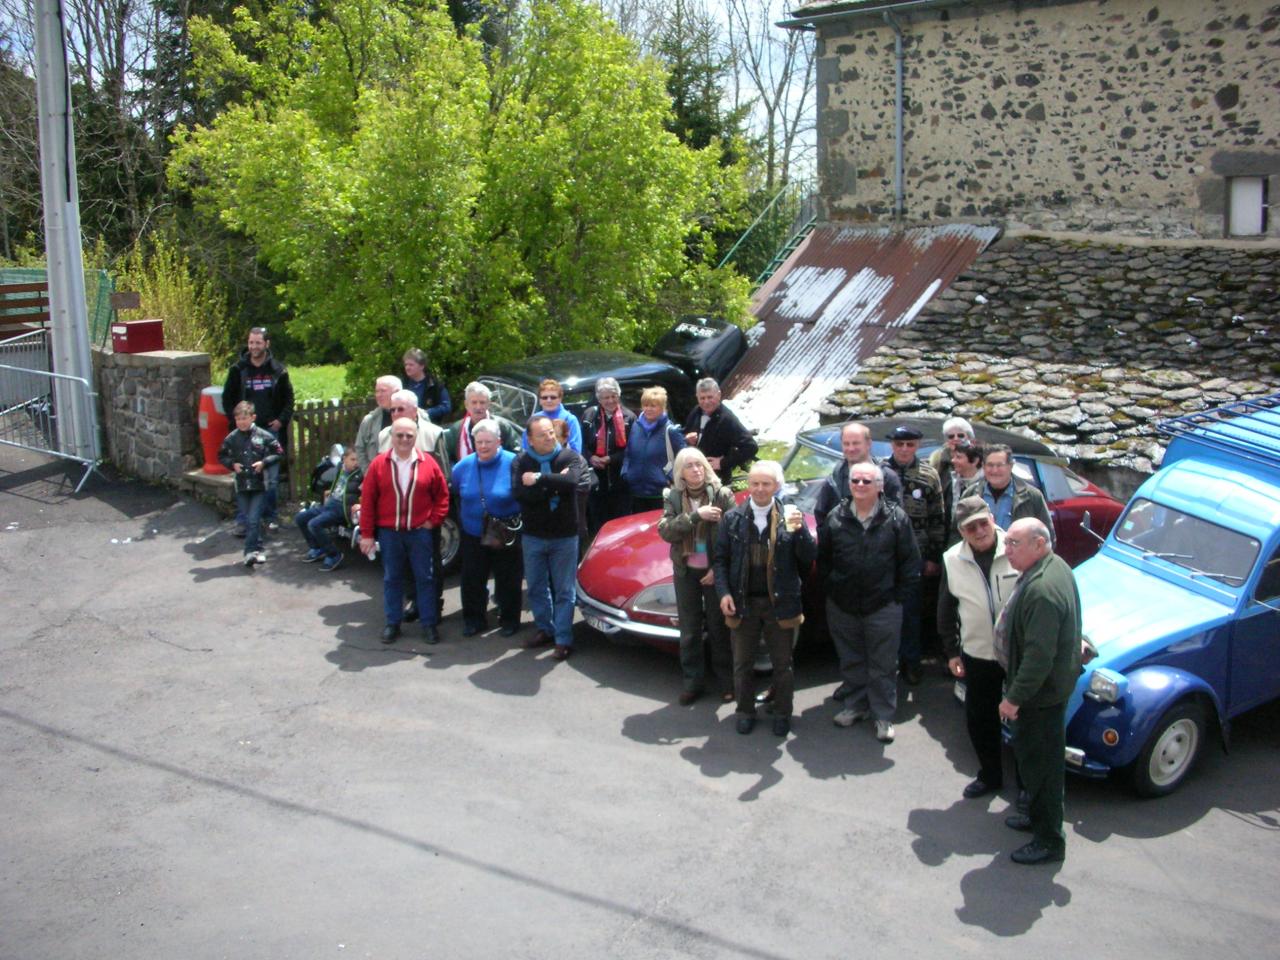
(868, 561)
(715, 430)
(377, 420)
(430, 440)
(762, 554)
(459, 437)
(404, 403)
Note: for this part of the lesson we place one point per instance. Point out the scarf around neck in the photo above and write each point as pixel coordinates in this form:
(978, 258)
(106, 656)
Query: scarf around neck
(544, 467)
(619, 431)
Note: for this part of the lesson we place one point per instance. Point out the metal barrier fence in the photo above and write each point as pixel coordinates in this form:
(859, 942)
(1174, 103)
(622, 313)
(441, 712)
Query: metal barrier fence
(30, 398)
(316, 426)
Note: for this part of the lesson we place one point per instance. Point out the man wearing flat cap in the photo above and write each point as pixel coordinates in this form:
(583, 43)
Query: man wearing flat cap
(977, 581)
(922, 503)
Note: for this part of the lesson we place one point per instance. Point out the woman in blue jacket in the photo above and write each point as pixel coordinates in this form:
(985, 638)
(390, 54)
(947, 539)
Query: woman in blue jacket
(482, 486)
(651, 449)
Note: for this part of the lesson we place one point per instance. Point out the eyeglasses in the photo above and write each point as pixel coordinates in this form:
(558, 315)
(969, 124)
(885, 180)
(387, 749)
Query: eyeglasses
(861, 481)
(957, 436)
(549, 396)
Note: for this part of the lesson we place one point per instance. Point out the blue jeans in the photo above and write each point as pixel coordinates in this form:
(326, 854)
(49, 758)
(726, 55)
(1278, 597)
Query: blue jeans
(316, 522)
(250, 505)
(415, 548)
(270, 511)
(550, 570)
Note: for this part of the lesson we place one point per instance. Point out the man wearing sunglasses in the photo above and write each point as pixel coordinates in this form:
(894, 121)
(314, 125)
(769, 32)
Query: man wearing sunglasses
(868, 563)
(977, 581)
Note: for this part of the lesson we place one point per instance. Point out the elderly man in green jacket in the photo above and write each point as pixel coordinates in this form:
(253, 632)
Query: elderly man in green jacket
(1039, 632)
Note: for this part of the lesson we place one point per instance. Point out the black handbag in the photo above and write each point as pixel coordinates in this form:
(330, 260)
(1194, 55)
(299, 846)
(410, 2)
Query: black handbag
(499, 533)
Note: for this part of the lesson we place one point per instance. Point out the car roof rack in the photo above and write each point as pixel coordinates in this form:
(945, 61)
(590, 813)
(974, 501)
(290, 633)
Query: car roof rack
(1246, 428)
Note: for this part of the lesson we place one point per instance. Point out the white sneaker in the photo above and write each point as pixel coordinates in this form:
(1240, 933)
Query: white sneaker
(884, 731)
(259, 557)
(847, 718)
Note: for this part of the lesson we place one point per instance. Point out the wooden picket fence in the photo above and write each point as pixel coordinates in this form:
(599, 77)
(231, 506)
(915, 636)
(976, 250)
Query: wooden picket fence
(316, 426)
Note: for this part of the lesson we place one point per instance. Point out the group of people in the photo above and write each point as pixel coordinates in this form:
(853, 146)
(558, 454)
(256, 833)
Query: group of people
(958, 537)
(1005, 606)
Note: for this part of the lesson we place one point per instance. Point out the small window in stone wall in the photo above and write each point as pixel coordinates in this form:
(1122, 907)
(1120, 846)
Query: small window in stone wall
(1246, 206)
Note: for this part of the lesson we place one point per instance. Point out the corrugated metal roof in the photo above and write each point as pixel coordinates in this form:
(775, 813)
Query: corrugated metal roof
(842, 294)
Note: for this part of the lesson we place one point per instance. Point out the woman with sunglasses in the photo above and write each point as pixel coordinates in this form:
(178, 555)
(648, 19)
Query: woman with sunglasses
(550, 402)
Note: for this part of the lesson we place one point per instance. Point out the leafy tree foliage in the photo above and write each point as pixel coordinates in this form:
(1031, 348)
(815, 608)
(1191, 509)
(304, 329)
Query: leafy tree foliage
(414, 192)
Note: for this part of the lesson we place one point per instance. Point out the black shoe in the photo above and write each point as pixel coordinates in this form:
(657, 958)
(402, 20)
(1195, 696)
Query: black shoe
(689, 696)
(390, 632)
(1036, 852)
(1023, 803)
(1019, 821)
(411, 612)
(509, 629)
(430, 636)
(781, 726)
(471, 629)
(979, 788)
(842, 692)
(746, 723)
(911, 672)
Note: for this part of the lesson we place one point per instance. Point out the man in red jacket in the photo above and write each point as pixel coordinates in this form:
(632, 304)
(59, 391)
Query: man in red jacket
(403, 501)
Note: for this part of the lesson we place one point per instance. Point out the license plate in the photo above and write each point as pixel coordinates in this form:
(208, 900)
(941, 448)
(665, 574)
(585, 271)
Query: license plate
(597, 624)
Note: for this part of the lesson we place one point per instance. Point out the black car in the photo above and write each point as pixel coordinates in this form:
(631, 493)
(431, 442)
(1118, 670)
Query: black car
(695, 347)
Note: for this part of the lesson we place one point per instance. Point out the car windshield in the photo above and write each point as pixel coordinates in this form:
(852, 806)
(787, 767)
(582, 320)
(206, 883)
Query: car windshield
(512, 402)
(809, 463)
(1198, 545)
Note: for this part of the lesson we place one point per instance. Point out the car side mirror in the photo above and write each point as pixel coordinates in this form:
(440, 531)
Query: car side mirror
(1086, 523)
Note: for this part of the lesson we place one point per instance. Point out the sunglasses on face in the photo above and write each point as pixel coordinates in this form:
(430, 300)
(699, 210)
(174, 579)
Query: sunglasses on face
(957, 436)
(861, 481)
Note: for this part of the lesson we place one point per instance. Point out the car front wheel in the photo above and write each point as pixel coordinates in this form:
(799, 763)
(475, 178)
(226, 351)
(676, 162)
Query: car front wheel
(1171, 751)
(450, 545)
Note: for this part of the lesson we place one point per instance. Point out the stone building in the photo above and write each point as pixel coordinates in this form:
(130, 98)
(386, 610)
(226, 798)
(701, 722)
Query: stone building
(1154, 118)
(1127, 155)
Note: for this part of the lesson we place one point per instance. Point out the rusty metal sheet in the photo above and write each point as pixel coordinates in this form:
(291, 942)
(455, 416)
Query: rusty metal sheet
(840, 296)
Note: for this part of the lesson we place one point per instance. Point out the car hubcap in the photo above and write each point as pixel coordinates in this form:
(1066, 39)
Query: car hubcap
(1173, 752)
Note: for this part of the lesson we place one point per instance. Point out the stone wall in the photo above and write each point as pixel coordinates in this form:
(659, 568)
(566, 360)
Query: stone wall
(1084, 344)
(149, 411)
(1097, 115)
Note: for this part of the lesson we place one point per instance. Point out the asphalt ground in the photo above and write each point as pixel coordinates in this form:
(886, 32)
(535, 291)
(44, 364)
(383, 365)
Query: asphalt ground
(201, 760)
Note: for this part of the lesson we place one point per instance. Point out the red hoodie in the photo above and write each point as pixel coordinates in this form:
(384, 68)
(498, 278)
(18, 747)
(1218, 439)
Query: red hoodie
(383, 504)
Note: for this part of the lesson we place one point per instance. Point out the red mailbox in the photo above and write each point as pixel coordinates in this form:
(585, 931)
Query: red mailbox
(137, 336)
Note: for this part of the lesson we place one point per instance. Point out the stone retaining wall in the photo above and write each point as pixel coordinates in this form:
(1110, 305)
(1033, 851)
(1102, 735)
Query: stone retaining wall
(149, 409)
(1084, 344)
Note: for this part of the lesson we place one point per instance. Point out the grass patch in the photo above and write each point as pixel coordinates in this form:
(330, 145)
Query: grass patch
(326, 382)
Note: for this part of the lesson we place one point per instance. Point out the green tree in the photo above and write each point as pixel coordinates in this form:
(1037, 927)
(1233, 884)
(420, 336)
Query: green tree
(414, 192)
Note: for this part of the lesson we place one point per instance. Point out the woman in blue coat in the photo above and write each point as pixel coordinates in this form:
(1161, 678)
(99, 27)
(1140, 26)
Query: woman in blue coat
(482, 486)
(651, 449)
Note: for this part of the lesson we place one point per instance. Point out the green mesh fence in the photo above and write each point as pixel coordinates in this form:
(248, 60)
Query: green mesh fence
(98, 287)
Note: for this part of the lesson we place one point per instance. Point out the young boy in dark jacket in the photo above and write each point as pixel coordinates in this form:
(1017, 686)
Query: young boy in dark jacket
(317, 521)
(247, 452)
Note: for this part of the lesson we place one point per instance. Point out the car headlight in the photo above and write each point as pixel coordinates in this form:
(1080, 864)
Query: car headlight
(658, 600)
(1107, 686)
